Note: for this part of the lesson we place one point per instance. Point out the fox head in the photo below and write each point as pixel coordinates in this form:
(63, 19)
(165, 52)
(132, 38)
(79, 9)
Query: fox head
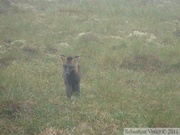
(70, 64)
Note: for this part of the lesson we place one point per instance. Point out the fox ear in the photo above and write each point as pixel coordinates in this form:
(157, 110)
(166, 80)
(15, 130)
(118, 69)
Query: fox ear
(76, 59)
(63, 58)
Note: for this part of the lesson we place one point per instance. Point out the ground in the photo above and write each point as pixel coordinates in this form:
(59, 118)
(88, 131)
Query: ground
(129, 53)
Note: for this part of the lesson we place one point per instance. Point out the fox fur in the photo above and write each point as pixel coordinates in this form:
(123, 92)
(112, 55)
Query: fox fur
(71, 74)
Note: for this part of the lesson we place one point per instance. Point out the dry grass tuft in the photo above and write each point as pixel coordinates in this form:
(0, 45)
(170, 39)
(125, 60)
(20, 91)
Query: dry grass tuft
(6, 61)
(143, 62)
(30, 49)
(10, 109)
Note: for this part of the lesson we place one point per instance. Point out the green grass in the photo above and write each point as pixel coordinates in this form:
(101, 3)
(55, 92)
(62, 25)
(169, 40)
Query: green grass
(128, 81)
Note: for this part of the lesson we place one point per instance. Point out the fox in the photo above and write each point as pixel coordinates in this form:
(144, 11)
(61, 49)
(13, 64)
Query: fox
(71, 74)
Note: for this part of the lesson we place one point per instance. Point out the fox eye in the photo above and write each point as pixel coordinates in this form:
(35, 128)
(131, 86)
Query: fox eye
(70, 67)
(65, 66)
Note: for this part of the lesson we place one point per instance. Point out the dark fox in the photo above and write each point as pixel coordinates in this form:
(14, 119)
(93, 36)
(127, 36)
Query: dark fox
(71, 74)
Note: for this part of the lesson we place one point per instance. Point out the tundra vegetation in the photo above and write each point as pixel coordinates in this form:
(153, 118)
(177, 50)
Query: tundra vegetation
(129, 54)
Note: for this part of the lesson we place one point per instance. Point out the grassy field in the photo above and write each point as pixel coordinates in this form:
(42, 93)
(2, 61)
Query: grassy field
(130, 55)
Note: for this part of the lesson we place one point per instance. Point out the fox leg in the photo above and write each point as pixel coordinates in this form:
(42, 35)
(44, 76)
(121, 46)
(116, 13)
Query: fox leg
(69, 91)
(77, 88)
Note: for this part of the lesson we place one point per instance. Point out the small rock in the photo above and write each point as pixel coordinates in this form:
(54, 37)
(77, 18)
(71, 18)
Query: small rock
(152, 37)
(64, 44)
(18, 42)
(137, 34)
(88, 36)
